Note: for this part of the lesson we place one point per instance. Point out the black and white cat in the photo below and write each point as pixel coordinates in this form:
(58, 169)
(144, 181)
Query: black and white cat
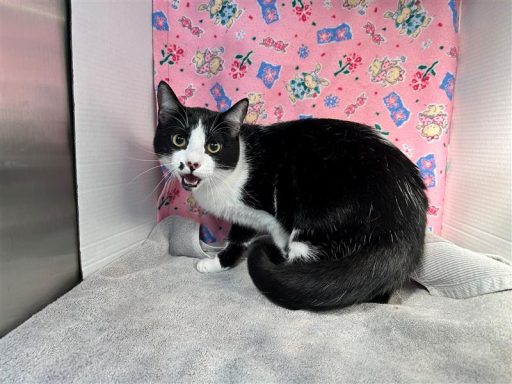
(346, 210)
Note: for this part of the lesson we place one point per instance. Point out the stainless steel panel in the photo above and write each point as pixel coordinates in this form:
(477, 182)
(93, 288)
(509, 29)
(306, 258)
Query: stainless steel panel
(38, 232)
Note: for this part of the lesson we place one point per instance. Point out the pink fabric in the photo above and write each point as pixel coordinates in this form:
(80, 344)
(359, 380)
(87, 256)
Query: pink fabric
(389, 64)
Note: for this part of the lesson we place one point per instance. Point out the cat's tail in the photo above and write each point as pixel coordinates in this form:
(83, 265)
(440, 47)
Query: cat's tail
(325, 284)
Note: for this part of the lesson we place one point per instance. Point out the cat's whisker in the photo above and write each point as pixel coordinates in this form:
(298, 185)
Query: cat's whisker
(142, 173)
(182, 123)
(153, 191)
(145, 150)
(186, 116)
(212, 129)
(165, 179)
(134, 158)
(183, 115)
(217, 127)
(185, 112)
(209, 189)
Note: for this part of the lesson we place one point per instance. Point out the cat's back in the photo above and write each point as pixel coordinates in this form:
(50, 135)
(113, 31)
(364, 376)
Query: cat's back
(331, 142)
(315, 133)
(334, 157)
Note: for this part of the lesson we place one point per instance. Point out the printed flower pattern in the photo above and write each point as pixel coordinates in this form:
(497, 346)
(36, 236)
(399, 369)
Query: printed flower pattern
(302, 10)
(331, 101)
(238, 69)
(303, 51)
(389, 64)
(352, 61)
(160, 21)
(239, 66)
(171, 54)
(422, 77)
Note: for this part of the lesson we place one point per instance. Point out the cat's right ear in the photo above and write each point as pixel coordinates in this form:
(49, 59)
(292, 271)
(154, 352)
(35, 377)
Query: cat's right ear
(168, 103)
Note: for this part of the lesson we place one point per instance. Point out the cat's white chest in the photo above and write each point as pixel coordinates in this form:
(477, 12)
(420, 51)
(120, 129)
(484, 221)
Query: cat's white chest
(224, 200)
(223, 197)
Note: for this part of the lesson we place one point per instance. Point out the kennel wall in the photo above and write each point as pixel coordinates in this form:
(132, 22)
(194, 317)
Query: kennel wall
(115, 119)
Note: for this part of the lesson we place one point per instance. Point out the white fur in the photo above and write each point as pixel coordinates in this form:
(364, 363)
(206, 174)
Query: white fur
(221, 197)
(195, 149)
(210, 265)
(194, 153)
(300, 249)
(294, 233)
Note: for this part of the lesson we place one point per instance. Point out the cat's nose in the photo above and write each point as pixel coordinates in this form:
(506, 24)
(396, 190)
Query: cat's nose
(193, 166)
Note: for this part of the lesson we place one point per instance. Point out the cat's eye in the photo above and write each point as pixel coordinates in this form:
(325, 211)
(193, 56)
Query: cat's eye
(179, 141)
(213, 147)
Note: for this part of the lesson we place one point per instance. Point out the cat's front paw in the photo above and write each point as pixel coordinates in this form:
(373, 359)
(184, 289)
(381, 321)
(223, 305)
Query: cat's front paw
(210, 265)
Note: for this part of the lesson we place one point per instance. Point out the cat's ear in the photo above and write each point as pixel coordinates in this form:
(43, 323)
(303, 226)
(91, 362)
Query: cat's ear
(167, 100)
(236, 114)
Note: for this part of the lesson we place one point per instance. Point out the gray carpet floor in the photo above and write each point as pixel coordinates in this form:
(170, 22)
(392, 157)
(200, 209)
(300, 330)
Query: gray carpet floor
(150, 317)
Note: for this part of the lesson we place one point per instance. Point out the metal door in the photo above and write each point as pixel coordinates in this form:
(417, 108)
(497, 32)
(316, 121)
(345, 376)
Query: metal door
(39, 258)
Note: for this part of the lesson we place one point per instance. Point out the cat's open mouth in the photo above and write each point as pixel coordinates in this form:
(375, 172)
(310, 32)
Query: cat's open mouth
(190, 181)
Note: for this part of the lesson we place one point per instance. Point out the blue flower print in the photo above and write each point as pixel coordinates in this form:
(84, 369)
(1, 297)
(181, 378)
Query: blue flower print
(303, 51)
(448, 84)
(333, 35)
(397, 110)
(218, 94)
(160, 21)
(331, 101)
(427, 167)
(268, 73)
(269, 11)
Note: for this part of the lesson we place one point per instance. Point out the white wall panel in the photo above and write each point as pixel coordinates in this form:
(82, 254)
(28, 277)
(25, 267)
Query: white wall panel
(114, 124)
(478, 188)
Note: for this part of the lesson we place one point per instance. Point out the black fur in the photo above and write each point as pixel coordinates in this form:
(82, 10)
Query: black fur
(175, 118)
(354, 197)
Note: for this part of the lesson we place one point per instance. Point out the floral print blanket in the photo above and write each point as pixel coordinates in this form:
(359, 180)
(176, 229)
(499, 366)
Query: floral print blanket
(390, 64)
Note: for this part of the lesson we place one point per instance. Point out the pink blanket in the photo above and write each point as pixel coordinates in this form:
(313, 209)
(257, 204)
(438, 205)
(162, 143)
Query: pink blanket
(388, 64)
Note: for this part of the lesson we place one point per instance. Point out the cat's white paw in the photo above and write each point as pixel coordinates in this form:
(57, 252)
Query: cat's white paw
(210, 265)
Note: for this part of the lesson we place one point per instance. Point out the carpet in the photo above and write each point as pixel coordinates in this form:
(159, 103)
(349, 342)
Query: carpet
(150, 317)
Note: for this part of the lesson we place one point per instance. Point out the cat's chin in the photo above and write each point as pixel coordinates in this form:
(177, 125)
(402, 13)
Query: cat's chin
(190, 182)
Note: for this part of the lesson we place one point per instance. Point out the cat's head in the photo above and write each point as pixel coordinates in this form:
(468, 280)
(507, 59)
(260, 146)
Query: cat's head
(196, 144)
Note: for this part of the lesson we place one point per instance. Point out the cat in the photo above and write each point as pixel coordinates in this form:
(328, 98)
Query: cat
(344, 208)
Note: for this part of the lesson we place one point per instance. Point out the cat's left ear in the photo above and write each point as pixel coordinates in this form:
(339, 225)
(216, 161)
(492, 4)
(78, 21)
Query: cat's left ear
(236, 115)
